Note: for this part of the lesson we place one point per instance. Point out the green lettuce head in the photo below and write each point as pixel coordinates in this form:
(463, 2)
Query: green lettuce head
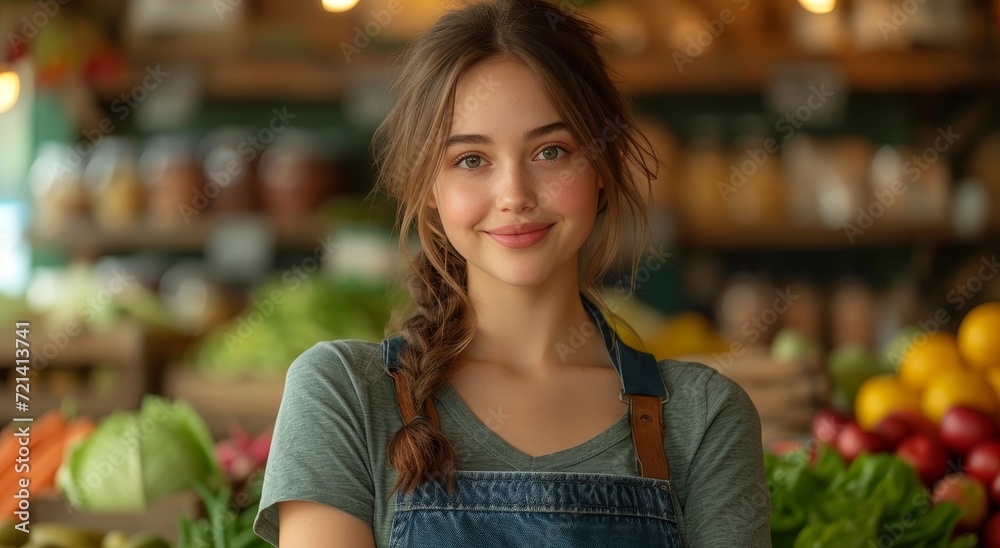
(132, 459)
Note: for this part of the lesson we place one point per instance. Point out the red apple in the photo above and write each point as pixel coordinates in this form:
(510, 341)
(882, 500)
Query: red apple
(899, 425)
(852, 441)
(995, 491)
(827, 424)
(926, 455)
(968, 494)
(983, 461)
(963, 428)
(989, 536)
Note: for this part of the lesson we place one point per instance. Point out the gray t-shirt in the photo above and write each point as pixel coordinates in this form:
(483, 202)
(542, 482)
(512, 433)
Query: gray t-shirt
(338, 413)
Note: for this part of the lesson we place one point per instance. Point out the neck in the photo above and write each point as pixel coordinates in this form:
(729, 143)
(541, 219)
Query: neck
(533, 330)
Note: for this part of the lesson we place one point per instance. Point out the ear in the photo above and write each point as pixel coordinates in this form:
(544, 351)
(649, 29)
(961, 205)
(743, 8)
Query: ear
(431, 200)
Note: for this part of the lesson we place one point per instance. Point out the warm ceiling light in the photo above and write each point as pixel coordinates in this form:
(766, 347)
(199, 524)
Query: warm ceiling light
(819, 6)
(337, 6)
(10, 88)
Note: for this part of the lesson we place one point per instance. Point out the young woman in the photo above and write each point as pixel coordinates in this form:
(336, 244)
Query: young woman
(506, 412)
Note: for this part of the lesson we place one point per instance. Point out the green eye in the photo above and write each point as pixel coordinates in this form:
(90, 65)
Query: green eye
(551, 153)
(470, 162)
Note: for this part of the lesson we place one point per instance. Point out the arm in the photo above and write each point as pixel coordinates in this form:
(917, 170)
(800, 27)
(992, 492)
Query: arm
(309, 524)
(318, 479)
(729, 503)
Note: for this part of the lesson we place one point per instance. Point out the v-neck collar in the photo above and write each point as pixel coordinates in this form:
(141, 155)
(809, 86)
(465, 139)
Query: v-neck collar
(639, 374)
(451, 403)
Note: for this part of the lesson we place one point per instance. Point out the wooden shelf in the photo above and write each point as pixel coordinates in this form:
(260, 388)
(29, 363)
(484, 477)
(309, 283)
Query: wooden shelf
(222, 402)
(784, 235)
(138, 354)
(85, 235)
(736, 71)
(647, 74)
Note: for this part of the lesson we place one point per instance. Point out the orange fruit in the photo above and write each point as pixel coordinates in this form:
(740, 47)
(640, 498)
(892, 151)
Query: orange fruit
(956, 387)
(993, 377)
(979, 336)
(926, 356)
(880, 396)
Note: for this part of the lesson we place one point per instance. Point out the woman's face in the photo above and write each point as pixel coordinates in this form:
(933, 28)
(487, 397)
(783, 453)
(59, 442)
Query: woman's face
(515, 193)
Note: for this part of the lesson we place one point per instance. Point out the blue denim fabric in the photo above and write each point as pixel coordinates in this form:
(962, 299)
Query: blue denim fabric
(554, 509)
(529, 509)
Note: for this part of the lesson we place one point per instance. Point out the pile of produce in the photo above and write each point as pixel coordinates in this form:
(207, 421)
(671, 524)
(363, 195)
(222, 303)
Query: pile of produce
(50, 435)
(878, 500)
(55, 535)
(141, 456)
(938, 414)
(286, 317)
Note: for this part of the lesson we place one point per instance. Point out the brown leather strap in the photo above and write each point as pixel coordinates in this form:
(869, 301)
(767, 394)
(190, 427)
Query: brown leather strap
(647, 435)
(404, 400)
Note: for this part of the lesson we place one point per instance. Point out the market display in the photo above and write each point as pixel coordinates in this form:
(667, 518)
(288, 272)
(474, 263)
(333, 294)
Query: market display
(917, 462)
(128, 461)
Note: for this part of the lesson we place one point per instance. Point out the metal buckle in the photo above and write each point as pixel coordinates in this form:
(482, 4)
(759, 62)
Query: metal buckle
(663, 399)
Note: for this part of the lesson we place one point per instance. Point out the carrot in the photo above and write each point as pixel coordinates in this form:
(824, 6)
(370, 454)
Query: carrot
(45, 430)
(45, 465)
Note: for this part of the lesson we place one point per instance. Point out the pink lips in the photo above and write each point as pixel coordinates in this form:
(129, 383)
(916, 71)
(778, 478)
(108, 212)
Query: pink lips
(520, 236)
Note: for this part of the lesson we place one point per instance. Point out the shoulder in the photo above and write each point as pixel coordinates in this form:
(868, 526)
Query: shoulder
(337, 362)
(703, 393)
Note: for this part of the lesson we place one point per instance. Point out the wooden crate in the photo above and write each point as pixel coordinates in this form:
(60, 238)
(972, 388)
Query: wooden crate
(250, 402)
(159, 518)
(787, 394)
(69, 368)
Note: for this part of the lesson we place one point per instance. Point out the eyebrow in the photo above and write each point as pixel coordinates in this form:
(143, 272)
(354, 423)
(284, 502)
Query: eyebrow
(484, 140)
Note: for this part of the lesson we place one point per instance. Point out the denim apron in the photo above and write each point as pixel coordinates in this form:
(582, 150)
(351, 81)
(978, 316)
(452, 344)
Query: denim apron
(555, 509)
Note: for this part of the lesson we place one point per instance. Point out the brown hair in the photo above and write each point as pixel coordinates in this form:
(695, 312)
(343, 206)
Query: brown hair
(561, 49)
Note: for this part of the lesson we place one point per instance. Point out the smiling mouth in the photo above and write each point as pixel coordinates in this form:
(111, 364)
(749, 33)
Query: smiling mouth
(517, 230)
(521, 239)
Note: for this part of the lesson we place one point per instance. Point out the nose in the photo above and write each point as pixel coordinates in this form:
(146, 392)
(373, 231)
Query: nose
(515, 189)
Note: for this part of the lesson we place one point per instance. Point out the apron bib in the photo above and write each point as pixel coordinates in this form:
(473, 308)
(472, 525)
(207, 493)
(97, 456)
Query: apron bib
(554, 509)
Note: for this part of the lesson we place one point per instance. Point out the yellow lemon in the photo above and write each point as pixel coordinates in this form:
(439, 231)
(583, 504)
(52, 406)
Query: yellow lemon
(979, 336)
(926, 356)
(957, 387)
(880, 396)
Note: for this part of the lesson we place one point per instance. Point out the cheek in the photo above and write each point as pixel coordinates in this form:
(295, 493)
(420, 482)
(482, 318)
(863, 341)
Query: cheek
(574, 190)
(460, 208)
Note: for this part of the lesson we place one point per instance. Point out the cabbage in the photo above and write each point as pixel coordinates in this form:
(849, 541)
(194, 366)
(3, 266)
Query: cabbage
(133, 458)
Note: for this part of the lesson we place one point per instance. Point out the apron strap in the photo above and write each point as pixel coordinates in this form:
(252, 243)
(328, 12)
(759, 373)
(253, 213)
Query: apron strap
(646, 413)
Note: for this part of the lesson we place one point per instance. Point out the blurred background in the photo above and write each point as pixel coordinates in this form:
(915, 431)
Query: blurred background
(184, 198)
